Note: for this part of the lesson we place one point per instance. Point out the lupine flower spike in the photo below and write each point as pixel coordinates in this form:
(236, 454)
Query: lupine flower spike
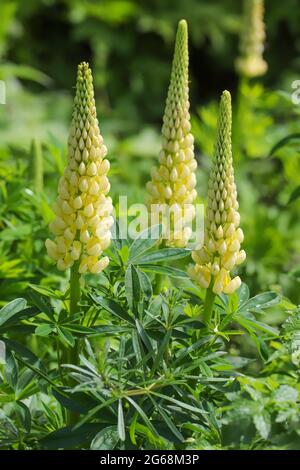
(251, 63)
(223, 236)
(83, 209)
(172, 187)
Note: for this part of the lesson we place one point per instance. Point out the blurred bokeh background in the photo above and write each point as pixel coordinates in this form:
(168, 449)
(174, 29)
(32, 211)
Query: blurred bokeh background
(129, 45)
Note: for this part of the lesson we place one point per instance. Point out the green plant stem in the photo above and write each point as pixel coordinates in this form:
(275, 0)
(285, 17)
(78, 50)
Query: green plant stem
(74, 299)
(74, 289)
(73, 356)
(160, 280)
(208, 305)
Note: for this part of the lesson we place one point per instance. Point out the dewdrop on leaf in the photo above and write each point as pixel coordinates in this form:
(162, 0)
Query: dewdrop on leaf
(173, 181)
(250, 63)
(223, 236)
(80, 234)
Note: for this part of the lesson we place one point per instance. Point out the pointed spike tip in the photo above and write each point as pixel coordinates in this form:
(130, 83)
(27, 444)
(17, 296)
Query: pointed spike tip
(182, 25)
(226, 96)
(83, 65)
(182, 29)
(83, 69)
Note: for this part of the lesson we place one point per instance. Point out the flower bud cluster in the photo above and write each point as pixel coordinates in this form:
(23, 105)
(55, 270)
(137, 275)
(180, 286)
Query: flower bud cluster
(251, 62)
(221, 251)
(83, 209)
(173, 181)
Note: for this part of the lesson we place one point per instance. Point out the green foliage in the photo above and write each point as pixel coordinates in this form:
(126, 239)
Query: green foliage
(150, 373)
(149, 376)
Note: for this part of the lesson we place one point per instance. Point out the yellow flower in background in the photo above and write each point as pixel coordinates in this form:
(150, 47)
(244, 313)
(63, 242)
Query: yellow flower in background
(251, 62)
(83, 209)
(173, 181)
(223, 236)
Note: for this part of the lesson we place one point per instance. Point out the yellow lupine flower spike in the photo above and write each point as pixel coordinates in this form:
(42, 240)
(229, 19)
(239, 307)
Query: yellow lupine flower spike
(223, 236)
(83, 209)
(251, 62)
(173, 181)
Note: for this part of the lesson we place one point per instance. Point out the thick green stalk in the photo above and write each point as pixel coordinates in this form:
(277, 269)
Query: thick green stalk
(73, 356)
(74, 289)
(208, 305)
(74, 299)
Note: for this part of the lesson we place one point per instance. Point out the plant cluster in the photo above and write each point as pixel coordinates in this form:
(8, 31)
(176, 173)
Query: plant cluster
(119, 343)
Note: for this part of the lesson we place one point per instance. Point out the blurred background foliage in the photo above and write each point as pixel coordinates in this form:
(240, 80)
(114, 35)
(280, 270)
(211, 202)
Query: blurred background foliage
(129, 44)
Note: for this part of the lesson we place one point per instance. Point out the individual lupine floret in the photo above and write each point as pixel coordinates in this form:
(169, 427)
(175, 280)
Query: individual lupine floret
(251, 62)
(83, 209)
(221, 251)
(173, 182)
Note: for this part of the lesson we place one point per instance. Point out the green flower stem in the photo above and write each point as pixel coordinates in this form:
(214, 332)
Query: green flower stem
(74, 299)
(73, 356)
(208, 305)
(74, 289)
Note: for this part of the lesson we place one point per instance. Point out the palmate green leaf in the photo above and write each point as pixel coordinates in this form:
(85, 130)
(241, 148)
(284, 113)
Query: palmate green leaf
(114, 308)
(27, 385)
(252, 325)
(12, 315)
(38, 371)
(168, 421)
(11, 370)
(45, 329)
(146, 240)
(121, 425)
(80, 330)
(78, 402)
(47, 292)
(81, 402)
(41, 302)
(145, 284)
(106, 439)
(137, 348)
(243, 293)
(164, 254)
(68, 437)
(132, 287)
(143, 335)
(260, 302)
(142, 415)
(95, 410)
(262, 421)
(24, 416)
(168, 270)
(181, 404)
(161, 350)
(65, 336)
(11, 309)
(21, 350)
(185, 351)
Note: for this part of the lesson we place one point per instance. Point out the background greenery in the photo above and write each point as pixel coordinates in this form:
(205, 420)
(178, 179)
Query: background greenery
(129, 45)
